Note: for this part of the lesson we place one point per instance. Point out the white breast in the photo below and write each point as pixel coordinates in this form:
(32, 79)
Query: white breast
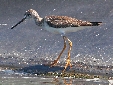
(63, 30)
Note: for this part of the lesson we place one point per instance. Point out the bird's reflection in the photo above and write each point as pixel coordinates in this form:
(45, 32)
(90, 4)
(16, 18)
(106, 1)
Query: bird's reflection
(69, 82)
(58, 81)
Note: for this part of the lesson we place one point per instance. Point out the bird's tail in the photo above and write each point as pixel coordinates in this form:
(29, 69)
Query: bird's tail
(96, 23)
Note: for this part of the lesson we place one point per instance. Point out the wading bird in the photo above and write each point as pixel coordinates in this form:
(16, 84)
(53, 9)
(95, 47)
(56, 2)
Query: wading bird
(59, 25)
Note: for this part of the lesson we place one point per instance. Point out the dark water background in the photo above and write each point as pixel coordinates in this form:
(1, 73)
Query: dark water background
(28, 44)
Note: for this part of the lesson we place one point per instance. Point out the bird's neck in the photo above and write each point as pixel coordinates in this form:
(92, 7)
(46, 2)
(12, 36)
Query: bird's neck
(38, 20)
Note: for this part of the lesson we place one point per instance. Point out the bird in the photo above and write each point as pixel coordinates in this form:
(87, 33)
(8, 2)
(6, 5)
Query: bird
(59, 25)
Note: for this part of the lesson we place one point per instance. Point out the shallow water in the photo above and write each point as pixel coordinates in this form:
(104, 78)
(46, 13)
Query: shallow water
(9, 77)
(50, 81)
(29, 45)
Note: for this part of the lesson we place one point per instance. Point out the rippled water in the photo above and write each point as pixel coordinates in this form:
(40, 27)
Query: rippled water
(29, 45)
(51, 81)
(9, 77)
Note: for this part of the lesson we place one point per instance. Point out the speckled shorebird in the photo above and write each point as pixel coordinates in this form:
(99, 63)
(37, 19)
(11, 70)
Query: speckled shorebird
(59, 25)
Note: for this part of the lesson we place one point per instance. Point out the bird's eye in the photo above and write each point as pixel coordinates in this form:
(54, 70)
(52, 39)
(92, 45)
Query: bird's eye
(29, 15)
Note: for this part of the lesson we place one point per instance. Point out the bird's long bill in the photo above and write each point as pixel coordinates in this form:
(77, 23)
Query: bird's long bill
(18, 22)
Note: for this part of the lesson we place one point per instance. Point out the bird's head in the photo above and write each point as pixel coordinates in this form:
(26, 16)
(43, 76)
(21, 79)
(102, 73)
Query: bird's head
(31, 14)
(28, 14)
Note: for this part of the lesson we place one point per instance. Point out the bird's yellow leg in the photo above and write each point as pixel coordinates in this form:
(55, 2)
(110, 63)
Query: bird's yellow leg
(68, 83)
(68, 60)
(56, 61)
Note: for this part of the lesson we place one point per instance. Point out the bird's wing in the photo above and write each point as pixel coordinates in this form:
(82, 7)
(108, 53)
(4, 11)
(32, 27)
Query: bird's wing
(61, 21)
(65, 21)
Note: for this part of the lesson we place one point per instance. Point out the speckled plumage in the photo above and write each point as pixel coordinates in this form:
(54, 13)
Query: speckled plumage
(58, 24)
(56, 21)
(65, 21)
(61, 25)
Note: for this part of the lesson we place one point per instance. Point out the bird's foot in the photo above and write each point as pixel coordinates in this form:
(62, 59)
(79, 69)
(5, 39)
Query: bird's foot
(68, 63)
(54, 63)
